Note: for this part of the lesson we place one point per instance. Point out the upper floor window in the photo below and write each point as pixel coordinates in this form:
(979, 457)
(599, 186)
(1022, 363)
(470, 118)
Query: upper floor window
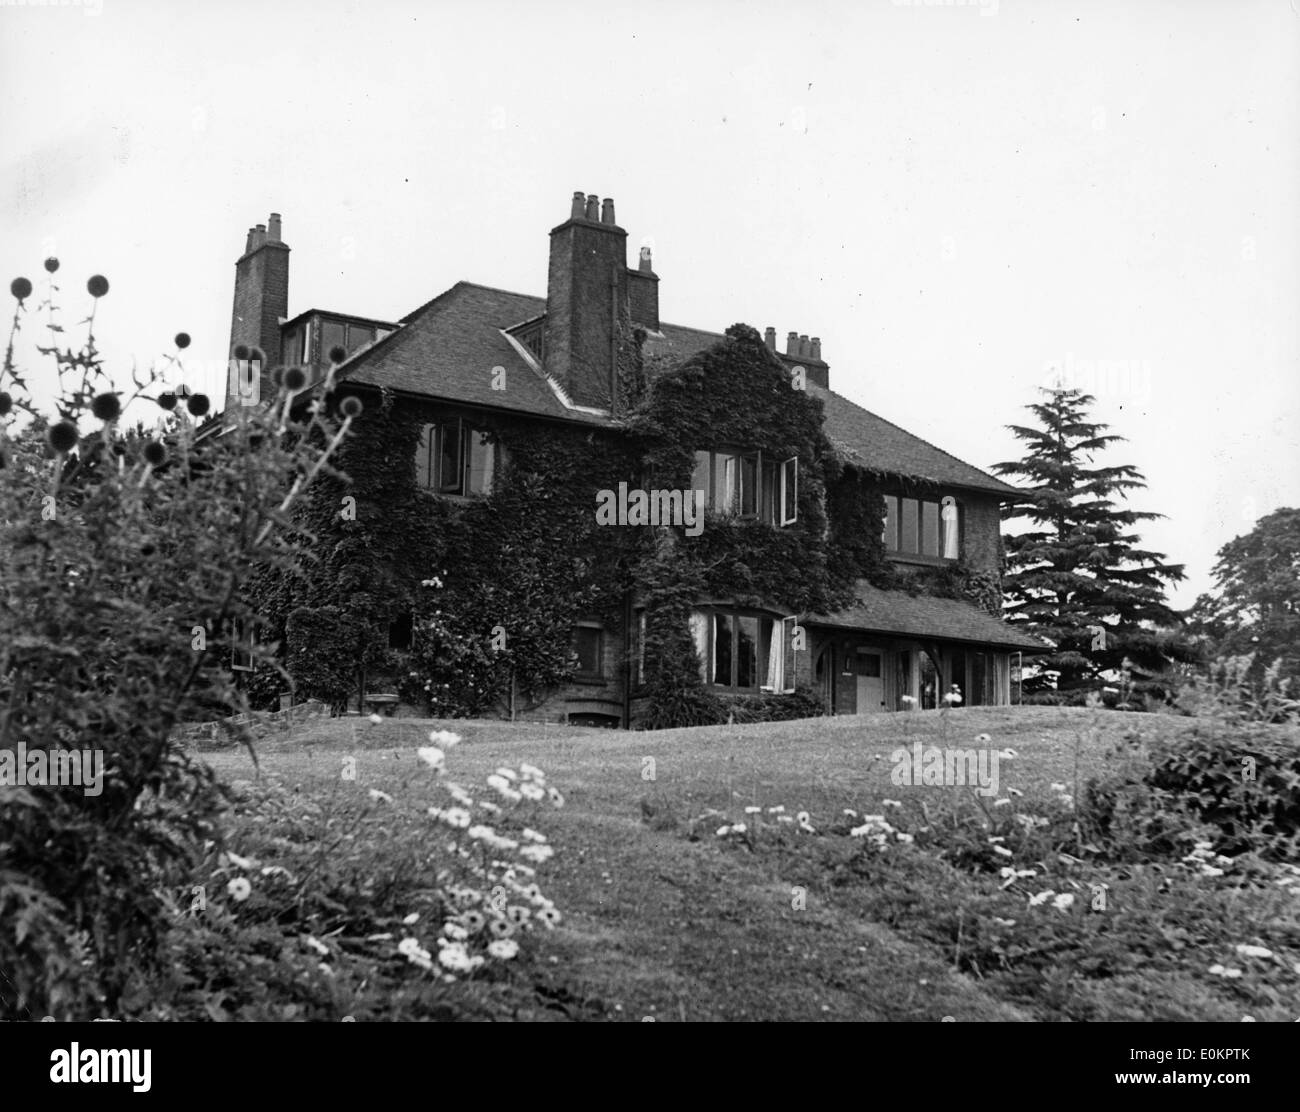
(920, 527)
(453, 457)
(748, 485)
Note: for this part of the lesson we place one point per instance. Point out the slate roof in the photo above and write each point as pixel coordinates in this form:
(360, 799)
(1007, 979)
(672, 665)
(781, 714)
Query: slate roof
(448, 347)
(896, 612)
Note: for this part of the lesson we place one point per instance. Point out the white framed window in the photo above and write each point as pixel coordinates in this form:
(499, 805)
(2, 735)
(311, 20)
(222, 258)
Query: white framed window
(790, 490)
(453, 457)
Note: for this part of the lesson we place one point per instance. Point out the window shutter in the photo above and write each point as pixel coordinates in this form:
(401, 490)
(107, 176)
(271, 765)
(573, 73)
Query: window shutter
(790, 490)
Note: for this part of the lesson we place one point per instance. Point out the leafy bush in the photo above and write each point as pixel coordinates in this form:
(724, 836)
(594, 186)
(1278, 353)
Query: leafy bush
(322, 655)
(122, 556)
(804, 702)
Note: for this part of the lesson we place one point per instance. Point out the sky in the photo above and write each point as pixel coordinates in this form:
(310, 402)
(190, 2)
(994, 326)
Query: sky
(956, 198)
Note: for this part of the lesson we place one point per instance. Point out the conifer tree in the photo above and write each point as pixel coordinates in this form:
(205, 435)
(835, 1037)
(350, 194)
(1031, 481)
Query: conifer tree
(1079, 576)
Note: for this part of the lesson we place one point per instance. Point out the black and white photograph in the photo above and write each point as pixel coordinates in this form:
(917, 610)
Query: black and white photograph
(624, 513)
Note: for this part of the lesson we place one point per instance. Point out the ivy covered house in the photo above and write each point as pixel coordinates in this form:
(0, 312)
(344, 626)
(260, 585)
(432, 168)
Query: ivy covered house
(515, 533)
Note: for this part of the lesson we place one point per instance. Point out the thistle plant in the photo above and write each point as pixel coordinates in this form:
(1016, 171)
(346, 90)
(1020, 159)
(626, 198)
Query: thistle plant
(123, 555)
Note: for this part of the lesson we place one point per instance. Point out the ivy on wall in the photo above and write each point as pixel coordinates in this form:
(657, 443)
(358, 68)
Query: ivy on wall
(496, 584)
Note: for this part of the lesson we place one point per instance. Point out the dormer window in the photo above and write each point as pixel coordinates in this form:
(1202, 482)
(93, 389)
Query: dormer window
(748, 485)
(454, 457)
(922, 527)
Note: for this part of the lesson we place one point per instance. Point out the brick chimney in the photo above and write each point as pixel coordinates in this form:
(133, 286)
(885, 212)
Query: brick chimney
(800, 351)
(643, 292)
(586, 293)
(261, 300)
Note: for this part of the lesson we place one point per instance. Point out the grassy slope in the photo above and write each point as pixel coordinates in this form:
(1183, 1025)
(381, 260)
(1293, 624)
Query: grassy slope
(660, 926)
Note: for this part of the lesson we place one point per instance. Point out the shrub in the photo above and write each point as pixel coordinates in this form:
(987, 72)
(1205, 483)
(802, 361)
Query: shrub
(122, 556)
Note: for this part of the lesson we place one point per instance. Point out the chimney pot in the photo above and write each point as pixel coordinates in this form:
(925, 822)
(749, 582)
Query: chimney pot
(273, 228)
(817, 348)
(607, 212)
(805, 348)
(645, 263)
(792, 344)
(593, 208)
(769, 338)
(579, 205)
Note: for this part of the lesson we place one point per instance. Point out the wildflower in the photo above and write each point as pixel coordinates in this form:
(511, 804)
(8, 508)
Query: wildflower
(1002, 802)
(779, 809)
(444, 738)
(784, 818)
(490, 807)
(549, 918)
(906, 839)
(531, 772)
(1224, 971)
(537, 853)
(1014, 791)
(241, 862)
(503, 948)
(379, 796)
(1247, 951)
(1004, 922)
(502, 928)
(456, 958)
(239, 889)
(1042, 897)
(414, 917)
(508, 773)
(1058, 787)
(375, 720)
(724, 830)
(533, 836)
(1003, 851)
(1008, 754)
(952, 699)
(431, 755)
(531, 791)
(518, 914)
(457, 817)
(1064, 901)
(455, 931)
(460, 795)
(753, 810)
(890, 803)
(556, 797)
(415, 953)
(907, 700)
(1210, 870)
(473, 921)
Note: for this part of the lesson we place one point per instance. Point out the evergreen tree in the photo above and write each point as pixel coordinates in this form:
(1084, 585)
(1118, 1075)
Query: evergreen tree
(1077, 576)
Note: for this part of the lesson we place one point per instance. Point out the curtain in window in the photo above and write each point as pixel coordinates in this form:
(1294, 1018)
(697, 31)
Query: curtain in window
(950, 532)
(775, 655)
(700, 635)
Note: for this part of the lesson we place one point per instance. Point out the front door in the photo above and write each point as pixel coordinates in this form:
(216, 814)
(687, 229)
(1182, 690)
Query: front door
(870, 681)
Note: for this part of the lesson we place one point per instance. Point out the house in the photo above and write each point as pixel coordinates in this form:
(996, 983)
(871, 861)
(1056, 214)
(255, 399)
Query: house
(840, 553)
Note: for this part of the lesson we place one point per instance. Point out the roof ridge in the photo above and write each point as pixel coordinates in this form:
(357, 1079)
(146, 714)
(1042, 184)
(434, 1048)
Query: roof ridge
(908, 432)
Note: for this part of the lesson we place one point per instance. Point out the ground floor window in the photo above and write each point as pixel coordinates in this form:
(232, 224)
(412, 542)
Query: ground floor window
(742, 651)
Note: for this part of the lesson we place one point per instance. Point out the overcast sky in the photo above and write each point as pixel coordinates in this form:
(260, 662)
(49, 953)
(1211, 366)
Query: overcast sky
(952, 197)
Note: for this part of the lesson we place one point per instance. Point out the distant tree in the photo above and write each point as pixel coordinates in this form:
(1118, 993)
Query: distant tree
(1254, 608)
(1078, 576)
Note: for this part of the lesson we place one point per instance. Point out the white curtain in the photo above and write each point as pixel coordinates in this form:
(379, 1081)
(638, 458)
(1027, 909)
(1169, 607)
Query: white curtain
(950, 538)
(775, 656)
(700, 634)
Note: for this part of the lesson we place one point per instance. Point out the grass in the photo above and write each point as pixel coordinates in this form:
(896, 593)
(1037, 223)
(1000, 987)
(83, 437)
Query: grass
(664, 919)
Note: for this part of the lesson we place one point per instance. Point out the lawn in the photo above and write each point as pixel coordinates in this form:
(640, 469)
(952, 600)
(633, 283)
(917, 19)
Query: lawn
(664, 919)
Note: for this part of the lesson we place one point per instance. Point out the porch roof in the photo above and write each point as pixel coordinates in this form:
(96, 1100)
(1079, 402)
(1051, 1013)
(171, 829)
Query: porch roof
(925, 616)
